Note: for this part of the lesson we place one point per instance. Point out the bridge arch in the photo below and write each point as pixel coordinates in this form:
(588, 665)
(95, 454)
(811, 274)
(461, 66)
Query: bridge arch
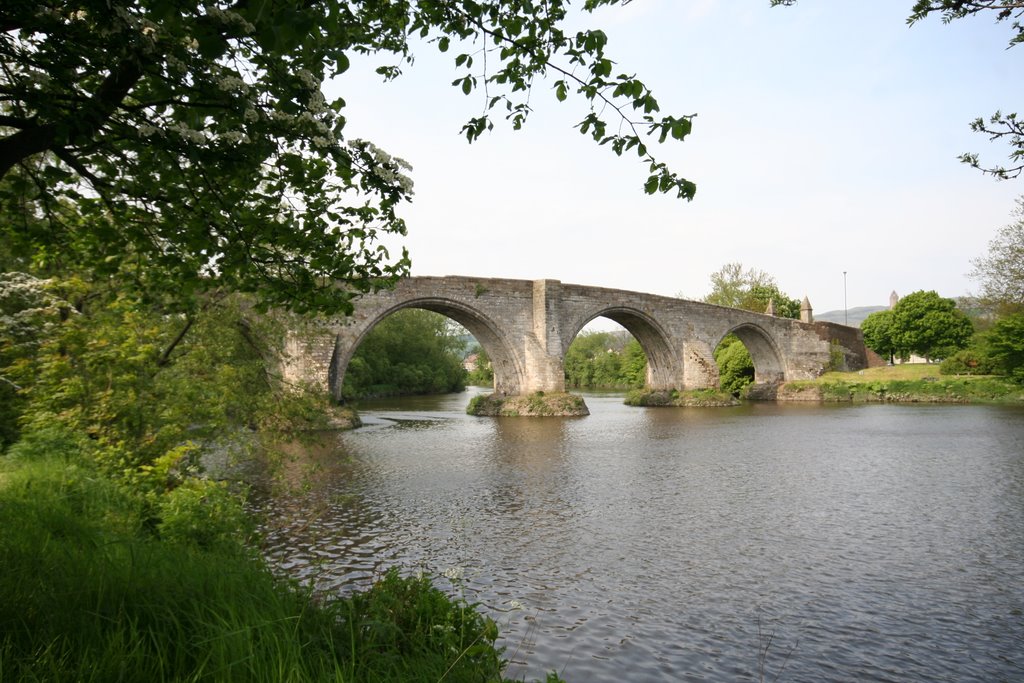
(509, 374)
(768, 362)
(663, 371)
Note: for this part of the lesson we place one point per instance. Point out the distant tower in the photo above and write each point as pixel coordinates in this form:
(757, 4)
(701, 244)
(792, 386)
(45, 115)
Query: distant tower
(806, 312)
(771, 307)
(893, 300)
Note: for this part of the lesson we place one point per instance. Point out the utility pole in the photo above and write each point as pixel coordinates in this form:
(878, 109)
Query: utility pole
(846, 317)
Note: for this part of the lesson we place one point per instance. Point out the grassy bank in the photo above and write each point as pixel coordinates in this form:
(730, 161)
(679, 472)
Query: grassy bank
(91, 590)
(917, 383)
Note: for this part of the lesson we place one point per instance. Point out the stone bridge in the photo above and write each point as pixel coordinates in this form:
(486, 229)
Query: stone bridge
(526, 327)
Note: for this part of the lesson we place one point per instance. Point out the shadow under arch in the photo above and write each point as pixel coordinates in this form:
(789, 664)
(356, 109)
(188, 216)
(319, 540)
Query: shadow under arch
(508, 371)
(663, 371)
(765, 354)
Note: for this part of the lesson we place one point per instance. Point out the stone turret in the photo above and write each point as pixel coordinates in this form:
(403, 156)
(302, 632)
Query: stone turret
(771, 307)
(806, 312)
(893, 300)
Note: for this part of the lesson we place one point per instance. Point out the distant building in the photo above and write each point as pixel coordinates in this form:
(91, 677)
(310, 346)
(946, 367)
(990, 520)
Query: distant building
(893, 300)
(470, 362)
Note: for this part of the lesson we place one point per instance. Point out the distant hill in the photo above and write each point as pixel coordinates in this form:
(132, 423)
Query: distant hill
(854, 315)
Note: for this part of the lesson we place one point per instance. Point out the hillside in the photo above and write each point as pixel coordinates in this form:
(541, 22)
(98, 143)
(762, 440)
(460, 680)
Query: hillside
(854, 315)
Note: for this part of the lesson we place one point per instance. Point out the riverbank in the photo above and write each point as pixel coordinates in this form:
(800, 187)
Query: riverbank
(918, 383)
(99, 582)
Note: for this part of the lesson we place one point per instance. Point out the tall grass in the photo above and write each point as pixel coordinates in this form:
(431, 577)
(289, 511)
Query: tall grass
(89, 593)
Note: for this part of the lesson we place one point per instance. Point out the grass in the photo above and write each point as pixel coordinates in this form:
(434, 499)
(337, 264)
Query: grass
(536, 404)
(690, 398)
(88, 593)
(908, 383)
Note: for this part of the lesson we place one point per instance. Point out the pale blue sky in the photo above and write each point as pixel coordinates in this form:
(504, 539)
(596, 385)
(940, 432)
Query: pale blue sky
(825, 140)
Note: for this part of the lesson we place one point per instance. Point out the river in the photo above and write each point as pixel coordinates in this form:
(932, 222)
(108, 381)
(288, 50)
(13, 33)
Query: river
(808, 542)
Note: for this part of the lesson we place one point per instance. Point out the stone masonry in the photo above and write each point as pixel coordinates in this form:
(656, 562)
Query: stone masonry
(526, 327)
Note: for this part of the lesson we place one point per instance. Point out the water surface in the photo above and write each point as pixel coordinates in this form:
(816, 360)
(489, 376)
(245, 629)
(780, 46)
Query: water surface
(853, 543)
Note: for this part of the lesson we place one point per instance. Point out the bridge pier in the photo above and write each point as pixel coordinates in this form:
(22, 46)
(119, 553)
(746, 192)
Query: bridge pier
(545, 368)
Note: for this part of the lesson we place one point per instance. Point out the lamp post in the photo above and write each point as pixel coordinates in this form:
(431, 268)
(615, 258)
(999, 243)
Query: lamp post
(846, 318)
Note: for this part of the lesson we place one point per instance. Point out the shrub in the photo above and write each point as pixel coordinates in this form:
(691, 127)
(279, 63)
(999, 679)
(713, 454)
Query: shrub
(203, 513)
(967, 362)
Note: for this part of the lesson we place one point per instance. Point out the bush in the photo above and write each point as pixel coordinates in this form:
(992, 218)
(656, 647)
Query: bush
(202, 513)
(967, 362)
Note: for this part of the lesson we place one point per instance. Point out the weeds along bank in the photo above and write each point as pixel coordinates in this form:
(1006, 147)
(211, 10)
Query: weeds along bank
(903, 384)
(100, 583)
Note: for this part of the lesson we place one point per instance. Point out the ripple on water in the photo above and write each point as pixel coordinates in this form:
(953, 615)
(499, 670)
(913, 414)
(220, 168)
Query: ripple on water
(881, 543)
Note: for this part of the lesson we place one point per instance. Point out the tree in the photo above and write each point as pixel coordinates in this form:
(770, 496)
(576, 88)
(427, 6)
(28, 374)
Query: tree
(731, 284)
(605, 360)
(412, 351)
(879, 334)
(195, 137)
(28, 312)
(1005, 345)
(1001, 270)
(735, 366)
(750, 289)
(482, 373)
(929, 325)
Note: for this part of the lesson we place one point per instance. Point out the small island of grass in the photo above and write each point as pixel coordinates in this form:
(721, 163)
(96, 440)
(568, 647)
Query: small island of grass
(537, 404)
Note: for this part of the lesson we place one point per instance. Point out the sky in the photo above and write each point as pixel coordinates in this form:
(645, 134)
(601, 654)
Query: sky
(825, 141)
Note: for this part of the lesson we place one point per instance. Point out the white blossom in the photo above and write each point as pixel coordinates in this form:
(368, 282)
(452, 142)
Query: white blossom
(454, 573)
(308, 79)
(317, 103)
(186, 133)
(232, 84)
(234, 136)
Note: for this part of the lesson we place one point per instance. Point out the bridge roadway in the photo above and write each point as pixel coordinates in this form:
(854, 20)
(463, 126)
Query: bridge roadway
(526, 327)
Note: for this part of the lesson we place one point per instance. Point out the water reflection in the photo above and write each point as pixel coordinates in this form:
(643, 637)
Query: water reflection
(880, 542)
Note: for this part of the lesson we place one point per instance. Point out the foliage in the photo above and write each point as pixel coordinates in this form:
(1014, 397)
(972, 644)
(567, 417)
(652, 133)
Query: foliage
(999, 126)
(203, 513)
(196, 137)
(87, 594)
(735, 366)
(731, 283)
(879, 334)
(412, 351)
(968, 362)
(1001, 270)
(836, 357)
(929, 325)
(1005, 345)
(957, 9)
(482, 373)
(750, 289)
(605, 360)
(27, 314)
